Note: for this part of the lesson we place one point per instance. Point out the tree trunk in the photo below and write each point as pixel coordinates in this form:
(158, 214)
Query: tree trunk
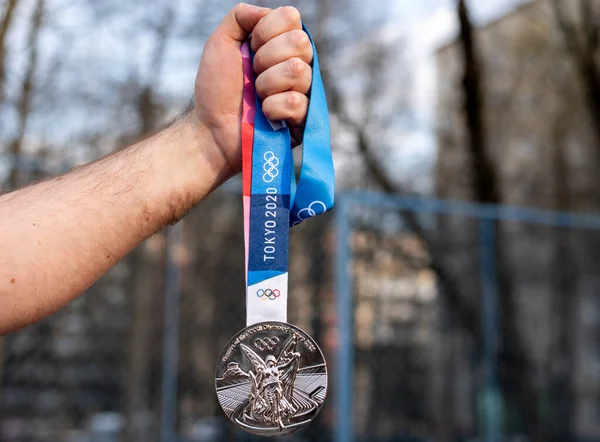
(146, 268)
(24, 103)
(516, 370)
(484, 176)
(143, 281)
(142, 286)
(27, 90)
(317, 278)
(582, 41)
(5, 24)
(564, 310)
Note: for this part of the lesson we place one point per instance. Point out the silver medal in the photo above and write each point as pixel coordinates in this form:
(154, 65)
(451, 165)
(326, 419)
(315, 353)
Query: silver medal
(271, 379)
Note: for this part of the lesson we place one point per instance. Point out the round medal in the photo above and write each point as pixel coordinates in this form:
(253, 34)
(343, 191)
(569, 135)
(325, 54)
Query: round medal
(271, 379)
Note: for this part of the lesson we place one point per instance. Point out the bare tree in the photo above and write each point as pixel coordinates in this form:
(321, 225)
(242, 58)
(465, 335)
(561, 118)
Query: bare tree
(146, 264)
(515, 368)
(484, 175)
(365, 127)
(565, 304)
(27, 91)
(582, 40)
(5, 25)
(517, 371)
(24, 99)
(379, 55)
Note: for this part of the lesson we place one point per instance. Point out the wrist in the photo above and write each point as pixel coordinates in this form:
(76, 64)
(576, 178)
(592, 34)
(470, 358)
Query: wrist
(207, 145)
(185, 166)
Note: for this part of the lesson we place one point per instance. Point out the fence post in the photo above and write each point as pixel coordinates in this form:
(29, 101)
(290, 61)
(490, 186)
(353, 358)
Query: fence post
(171, 336)
(490, 403)
(344, 430)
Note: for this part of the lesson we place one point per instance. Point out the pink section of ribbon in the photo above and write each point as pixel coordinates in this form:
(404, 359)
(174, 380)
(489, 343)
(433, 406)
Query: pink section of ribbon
(248, 117)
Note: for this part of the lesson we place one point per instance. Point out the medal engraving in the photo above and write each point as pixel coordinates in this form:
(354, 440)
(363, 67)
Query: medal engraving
(271, 379)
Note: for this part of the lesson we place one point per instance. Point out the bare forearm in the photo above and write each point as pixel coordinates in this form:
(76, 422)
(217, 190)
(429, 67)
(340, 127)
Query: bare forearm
(59, 236)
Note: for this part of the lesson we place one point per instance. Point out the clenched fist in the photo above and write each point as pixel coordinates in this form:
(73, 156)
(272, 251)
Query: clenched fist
(282, 63)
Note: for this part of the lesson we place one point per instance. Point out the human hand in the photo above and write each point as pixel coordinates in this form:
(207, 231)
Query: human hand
(283, 53)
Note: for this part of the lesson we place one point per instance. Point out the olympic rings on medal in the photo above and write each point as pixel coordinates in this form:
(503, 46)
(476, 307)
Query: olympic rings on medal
(266, 343)
(310, 211)
(270, 167)
(268, 294)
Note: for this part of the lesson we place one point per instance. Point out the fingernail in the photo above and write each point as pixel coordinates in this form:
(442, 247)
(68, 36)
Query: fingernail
(259, 8)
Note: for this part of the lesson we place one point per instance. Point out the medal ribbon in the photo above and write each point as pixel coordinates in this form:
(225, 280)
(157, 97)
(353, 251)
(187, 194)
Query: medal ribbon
(273, 201)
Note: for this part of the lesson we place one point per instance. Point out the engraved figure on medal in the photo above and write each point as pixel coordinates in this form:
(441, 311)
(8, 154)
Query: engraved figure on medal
(271, 394)
(278, 386)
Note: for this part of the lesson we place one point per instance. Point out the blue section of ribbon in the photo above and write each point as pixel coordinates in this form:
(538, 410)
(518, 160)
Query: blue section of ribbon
(315, 188)
(272, 162)
(269, 217)
(276, 202)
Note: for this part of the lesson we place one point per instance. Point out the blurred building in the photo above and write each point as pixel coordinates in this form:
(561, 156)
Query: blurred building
(396, 325)
(541, 143)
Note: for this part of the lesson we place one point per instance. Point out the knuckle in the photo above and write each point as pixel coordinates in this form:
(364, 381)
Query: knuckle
(294, 101)
(260, 87)
(299, 39)
(267, 108)
(259, 64)
(237, 8)
(290, 13)
(307, 76)
(295, 67)
(258, 38)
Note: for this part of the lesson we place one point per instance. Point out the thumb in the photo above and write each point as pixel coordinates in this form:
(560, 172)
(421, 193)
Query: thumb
(240, 21)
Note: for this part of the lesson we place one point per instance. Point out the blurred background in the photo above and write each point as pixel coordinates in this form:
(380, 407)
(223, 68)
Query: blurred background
(455, 288)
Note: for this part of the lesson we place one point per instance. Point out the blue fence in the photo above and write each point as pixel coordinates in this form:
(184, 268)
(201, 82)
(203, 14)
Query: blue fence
(490, 426)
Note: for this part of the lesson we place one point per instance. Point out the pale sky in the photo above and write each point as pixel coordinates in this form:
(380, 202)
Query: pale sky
(427, 25)
(424, 25)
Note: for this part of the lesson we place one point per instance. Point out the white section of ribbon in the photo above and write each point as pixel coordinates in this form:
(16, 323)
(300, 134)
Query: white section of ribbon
(276, 125)
(267, 300)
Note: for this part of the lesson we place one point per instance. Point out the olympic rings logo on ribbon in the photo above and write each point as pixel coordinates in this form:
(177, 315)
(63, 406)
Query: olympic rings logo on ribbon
(266, 343)
(270, 167)
(310, 211)
(268, 294)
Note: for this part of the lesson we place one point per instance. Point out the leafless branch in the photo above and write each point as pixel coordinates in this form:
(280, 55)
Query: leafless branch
(144, 265)
(465, 313)
(583, 52)
(162, 33)
(567, 28)
(5, 23)
(589, 25)
(27, 90)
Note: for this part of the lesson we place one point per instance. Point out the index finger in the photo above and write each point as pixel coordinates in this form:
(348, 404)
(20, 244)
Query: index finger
(275, 23)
